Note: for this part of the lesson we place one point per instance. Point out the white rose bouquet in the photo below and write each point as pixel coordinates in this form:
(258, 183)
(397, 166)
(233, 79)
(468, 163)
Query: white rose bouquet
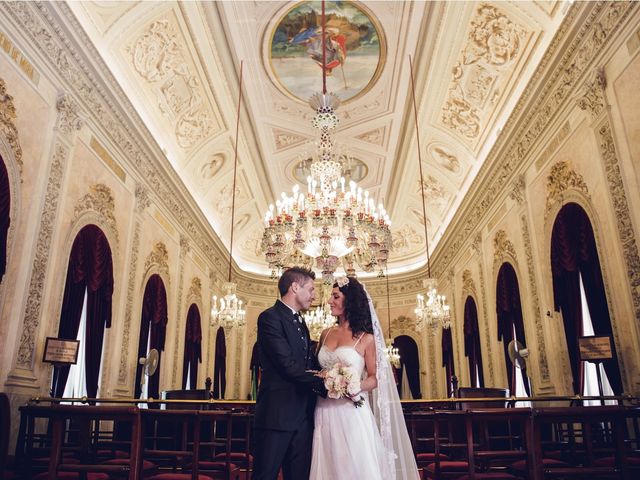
(342, 381)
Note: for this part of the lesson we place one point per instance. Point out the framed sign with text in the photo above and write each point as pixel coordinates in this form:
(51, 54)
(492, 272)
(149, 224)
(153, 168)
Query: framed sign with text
(595, 348)
(58, 350)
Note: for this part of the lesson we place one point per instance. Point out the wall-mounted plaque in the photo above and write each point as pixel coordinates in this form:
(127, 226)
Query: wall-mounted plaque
(58, 350)
(593, 349)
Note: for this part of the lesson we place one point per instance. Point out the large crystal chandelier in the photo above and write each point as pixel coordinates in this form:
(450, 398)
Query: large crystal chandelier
(334, 221)
(318, 319)
(228, 312)
(435, 310)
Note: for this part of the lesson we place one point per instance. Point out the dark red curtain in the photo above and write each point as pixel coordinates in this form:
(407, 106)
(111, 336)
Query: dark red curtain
(220, 366)
(509, 310)
(472, 342)
(447, 358)
(5, 220)
(90, 269)
(409, 358)
(192, 348)
(574, 254)
(153, 328)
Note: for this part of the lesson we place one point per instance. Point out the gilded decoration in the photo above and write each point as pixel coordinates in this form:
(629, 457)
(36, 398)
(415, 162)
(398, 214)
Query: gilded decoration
(445, 158)
(503, 249)
(468, 285)
(533, 289)
(37, 282)
(195, 290)
(142, 198)
(131, 287)
(537, 107)
(285, 139)
(68, 121)
(623, 213)
(98, 200)
(374, 137)
(7, 123)
(592, 99)
(211, 166)
(158, 56)
(403, 324)
(494, 43)
(561, 179)
(184, 251)
(158, 258)
(518, 188)
(405, 238)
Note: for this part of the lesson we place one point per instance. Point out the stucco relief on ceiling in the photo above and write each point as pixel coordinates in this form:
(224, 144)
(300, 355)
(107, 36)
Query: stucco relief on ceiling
(159, 56)
(495, 44)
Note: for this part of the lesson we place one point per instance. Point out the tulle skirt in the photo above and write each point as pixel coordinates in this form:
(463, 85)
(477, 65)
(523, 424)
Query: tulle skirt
(346, 442)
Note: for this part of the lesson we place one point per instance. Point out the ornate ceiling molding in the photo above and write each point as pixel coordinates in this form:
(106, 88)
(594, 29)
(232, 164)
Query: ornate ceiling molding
(533, 113)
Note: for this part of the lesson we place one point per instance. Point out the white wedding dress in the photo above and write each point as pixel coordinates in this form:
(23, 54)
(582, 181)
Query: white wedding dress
(346, 441)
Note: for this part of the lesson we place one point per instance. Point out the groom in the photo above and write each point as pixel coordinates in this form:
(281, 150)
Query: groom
(283, 429)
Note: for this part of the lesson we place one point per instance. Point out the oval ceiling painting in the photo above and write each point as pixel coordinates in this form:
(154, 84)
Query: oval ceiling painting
(355, 50)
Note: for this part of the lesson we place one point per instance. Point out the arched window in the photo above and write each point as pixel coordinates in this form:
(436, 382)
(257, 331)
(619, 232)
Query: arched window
(86, 312)
(192, 349)
(5, 220)
(576, 274)
(447, 359)
(409, 365)
(220, 366)
(511, 326)
(153, 328)
(472, 343)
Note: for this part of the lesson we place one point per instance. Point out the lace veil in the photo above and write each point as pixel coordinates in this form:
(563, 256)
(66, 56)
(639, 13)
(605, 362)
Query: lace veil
(400, 463)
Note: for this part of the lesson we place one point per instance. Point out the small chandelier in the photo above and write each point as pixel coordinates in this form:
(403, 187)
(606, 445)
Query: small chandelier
(334, 222)
(317, 320)
(229, 312)
(435, 310)
(392, 353)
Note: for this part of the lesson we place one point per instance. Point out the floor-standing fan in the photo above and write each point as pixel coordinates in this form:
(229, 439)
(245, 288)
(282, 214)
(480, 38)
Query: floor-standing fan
(149, 366)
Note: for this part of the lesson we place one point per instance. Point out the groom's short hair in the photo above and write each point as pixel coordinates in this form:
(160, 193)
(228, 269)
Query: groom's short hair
(294, 274)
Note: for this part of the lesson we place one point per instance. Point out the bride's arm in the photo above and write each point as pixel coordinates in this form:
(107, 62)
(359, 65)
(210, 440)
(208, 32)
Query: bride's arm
(371, 381)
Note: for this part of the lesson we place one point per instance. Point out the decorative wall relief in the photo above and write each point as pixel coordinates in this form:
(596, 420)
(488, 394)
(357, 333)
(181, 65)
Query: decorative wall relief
(444, 158)
(503, 249)
(477, 246)
(468, 285)
(404, 239)
(543, 366)
(375, 136)
(195, 291)
(184, 251)
(562, 178)
(158, 259)
(37, 283)
(623, 214)
(592, 99)
(68, 120)
(211, 166)
(517, 192)
(100, 201)
(142, 202)
(7, 123)
(493, 38)
(159, 57)
(285, 139)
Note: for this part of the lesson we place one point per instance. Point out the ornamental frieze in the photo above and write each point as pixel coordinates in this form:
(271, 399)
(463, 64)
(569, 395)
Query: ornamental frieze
(592, 99)
(68, 120)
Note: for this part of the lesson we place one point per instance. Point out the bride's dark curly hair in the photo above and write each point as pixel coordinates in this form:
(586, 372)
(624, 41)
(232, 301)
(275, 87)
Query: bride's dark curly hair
(356, 307)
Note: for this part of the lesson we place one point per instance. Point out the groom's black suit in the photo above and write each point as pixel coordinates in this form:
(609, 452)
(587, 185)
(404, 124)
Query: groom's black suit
(286, 398)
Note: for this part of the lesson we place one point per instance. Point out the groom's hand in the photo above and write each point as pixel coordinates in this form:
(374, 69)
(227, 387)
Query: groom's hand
(319, 389)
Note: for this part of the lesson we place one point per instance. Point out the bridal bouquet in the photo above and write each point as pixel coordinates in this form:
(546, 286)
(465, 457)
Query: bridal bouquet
(342, 381)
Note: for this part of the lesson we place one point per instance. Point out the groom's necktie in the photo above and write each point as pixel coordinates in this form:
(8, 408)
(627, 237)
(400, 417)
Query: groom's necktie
(301, 331)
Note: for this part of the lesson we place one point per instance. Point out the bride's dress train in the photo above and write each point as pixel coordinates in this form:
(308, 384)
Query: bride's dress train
(346, 441)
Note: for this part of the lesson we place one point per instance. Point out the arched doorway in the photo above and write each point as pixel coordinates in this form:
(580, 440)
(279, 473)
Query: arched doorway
(192, 349)
(472, 343)
(511, 327)
(409, 364)
(153, 328)
(220, 366)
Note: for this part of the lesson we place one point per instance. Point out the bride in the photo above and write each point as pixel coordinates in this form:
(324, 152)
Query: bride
(370, 441)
